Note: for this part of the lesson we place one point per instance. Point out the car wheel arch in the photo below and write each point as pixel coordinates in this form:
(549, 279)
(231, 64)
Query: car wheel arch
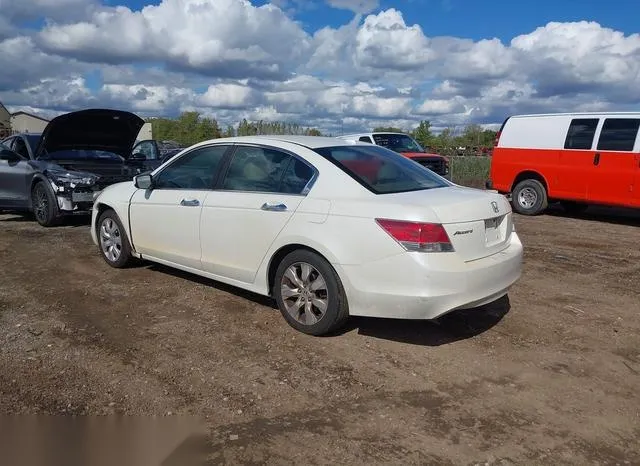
(281, 253)
(530, 175)
(102, 207)
(35, 180)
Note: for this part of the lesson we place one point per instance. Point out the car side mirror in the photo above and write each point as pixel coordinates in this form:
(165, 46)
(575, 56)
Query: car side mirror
(143, 181)
(9, 155)
(138, 157)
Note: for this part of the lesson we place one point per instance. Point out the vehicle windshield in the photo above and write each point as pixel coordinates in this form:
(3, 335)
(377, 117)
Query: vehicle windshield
(381, 170)
(397, 142)
(93, 155)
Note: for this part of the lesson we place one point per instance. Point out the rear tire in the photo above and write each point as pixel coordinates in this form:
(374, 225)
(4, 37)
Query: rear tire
(113, 242)
(44, 205)
(309, 293)
(529, 197)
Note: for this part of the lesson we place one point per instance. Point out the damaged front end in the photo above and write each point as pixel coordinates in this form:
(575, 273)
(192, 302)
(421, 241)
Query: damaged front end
(74, 191)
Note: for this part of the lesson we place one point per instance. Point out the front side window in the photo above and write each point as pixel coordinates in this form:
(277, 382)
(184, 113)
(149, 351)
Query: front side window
(197, 169)
(581, 133)
(397, 142)
(147, 149)
(33, 140)
(20, 148)
(619, 134)
(266, 170)
(380, 170)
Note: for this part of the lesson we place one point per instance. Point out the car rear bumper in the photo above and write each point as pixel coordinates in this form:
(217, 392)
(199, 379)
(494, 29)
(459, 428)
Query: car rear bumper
(427, 286)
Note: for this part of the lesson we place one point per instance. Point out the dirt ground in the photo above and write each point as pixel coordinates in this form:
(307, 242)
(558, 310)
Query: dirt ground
(550, 375)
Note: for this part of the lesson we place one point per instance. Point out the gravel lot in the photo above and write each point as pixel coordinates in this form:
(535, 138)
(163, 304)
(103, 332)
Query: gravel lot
(550, 375)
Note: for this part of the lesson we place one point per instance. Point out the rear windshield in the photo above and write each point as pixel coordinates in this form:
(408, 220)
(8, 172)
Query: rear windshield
(397, 142)
(381, 170)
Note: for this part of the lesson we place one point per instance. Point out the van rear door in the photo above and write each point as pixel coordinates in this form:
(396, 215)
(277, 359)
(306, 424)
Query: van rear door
(615, 159)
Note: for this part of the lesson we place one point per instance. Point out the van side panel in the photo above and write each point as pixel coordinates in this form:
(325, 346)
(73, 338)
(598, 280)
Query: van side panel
(529, 144)
(585, 170)
(507, 164)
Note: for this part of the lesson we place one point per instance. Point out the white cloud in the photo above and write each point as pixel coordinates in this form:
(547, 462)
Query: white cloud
(225, 38)
(228, 95)
(257, 62)
(58, 9)
(385, 42)
(23, 65)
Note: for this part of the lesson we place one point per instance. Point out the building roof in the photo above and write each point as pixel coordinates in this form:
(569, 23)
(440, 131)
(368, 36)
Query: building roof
(2, 107)
(29, 114)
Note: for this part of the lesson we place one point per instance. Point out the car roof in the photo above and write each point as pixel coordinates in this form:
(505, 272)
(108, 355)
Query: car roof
(311, 142)
(357, 135)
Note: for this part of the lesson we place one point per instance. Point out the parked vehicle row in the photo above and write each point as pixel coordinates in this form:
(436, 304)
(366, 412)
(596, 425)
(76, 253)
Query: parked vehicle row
(57, 173)
(327, 227)
(575, 158)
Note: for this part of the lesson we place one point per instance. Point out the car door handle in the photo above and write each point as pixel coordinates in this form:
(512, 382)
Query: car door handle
(274, 207)
(596, 158)
(190, 202)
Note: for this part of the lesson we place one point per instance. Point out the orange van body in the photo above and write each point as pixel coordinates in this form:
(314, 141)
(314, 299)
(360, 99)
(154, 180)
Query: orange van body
(576, 159)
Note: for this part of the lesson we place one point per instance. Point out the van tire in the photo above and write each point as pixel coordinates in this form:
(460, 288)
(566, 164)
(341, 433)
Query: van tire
(529, 197)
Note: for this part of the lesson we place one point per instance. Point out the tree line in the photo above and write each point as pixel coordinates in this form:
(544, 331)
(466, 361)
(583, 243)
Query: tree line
(190, 128)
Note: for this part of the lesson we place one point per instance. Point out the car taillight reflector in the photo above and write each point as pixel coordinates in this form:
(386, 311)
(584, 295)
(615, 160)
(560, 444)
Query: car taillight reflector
(417, 236)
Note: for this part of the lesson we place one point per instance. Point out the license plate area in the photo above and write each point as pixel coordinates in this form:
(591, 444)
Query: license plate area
(82, 197)
(494, 230)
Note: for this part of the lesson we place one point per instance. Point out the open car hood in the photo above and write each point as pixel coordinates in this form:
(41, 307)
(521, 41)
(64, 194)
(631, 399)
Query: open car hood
(93, 129)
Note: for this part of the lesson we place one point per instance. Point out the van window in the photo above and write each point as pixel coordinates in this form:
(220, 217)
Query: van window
(619, 134)
(581, 132)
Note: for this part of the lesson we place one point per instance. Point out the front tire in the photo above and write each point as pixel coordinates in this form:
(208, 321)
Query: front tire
(44, 205)
(529, 197)
(113, 241)
(309, 293)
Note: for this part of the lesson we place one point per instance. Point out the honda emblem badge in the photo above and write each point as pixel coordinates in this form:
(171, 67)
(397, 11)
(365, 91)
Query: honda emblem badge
(494, 204)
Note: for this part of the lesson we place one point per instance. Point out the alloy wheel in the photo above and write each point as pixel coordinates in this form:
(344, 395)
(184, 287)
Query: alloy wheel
(110, 239)
(304, 293)
(41, 203)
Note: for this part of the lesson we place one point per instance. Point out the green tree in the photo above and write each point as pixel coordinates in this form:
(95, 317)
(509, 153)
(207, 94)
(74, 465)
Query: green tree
(387, 129)
(423, 134)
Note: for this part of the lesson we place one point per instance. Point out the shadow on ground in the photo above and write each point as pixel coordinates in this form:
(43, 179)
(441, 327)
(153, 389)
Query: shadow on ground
(455, 326)
(614, 215)
(71, 221)
(452, 327)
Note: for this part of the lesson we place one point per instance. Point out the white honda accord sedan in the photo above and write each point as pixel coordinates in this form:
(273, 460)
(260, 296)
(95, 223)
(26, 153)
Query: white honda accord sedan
(327, 227)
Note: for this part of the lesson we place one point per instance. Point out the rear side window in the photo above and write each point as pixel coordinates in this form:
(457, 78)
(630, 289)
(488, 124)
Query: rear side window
(381, 170)
(581, 133)
(619, 134)
(267, 170)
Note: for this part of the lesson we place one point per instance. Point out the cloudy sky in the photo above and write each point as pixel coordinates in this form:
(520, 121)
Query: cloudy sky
(334, 64)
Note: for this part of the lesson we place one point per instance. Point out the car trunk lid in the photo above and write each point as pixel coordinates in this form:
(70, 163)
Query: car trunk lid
(477, 222)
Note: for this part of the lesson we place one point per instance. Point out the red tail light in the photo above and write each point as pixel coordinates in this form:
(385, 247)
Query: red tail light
(416, 236)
